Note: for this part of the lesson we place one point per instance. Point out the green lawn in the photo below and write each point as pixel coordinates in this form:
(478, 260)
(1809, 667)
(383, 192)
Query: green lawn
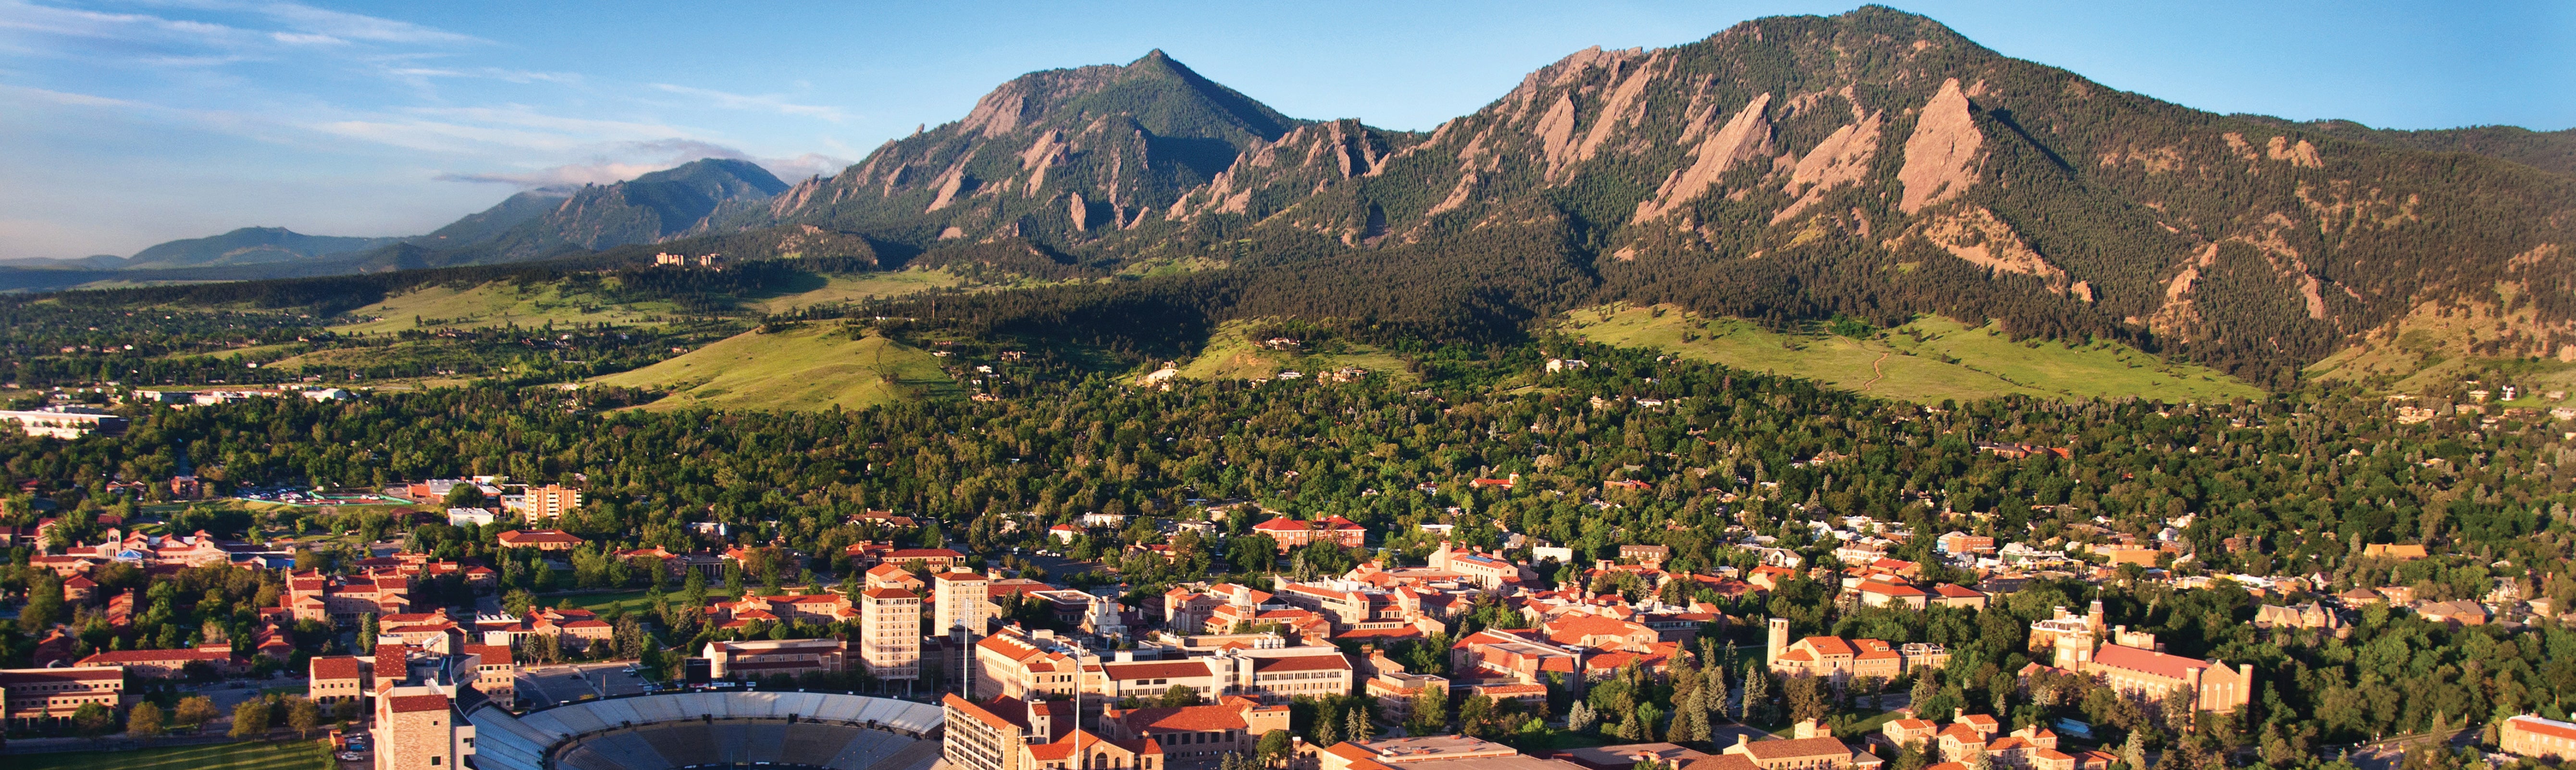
(1925, 361)
(221, 756)
(811, 367)
(492, 304)
(631, 601)
(850, 288)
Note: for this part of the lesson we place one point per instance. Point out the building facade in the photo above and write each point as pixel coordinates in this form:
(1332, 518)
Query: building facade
(890, 633)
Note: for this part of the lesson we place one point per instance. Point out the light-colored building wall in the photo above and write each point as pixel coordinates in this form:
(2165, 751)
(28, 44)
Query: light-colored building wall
(890, 633)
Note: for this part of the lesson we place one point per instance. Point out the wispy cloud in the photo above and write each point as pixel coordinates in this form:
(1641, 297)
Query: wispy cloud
(249, 31)
(769, 102)
(351, 26)
(488, 73)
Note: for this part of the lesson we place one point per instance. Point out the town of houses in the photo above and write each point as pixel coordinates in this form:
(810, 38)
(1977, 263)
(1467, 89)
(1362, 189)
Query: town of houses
(933, 622)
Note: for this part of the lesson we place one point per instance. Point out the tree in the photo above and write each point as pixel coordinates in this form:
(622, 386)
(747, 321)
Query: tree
(1275, 747)
(1430, 712)
(367, 631)
(545, 648)
(143, 722)
(302, 715)
(1357, 723)
(250, 720)
(1328, 730)
(2134, 752)
(1477, 717)
(1927, 686)
(92, 720)
(1180, 695)
(1807, 698)
(194, 712)
(1912, 756)
(1579, 718)
(1253, 554)
(2176, 709)
(1757, 697)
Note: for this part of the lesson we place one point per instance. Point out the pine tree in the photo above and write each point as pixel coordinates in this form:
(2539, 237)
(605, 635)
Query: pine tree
(1358, 725)
(1757, 697)
(2134, 752)
(1327, 731)
(1927, 686)
(1579, 718)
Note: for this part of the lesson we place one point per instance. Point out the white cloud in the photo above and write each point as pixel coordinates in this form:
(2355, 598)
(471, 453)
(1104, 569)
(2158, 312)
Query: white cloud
(351, 26)
(770, 102)
(488, 73)
(306, 38)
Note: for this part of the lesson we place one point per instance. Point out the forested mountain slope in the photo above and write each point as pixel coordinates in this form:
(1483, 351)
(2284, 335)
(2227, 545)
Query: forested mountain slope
(1873, 163)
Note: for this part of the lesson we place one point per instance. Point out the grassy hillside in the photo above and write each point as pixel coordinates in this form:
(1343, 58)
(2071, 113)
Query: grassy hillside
(2434, 350)
(815, 366)
(493, 304)
(1925, 361)
(1231, 355)
(832, 289)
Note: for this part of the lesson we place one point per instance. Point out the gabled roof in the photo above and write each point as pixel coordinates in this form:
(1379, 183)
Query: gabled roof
(1795, 748)
(404, 704)
(1184, 719)
(2147, 661)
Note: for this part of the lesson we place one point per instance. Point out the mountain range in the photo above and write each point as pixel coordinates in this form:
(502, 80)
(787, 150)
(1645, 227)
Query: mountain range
(1873, 164)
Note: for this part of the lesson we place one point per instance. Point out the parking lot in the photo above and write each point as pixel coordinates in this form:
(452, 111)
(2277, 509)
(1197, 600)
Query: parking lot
(549, 685)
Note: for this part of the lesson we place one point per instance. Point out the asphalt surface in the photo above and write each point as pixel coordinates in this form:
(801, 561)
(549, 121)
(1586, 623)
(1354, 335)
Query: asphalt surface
(545, 686)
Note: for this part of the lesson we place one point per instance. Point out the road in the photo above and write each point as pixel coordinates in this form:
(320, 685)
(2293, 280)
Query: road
(545, 686)
(2389, 753)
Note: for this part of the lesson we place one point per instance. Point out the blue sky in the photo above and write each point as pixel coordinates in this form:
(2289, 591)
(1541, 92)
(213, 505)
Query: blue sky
(124, 123)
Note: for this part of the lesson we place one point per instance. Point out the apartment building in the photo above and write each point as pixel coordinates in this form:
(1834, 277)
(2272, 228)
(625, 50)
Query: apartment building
(890, 633)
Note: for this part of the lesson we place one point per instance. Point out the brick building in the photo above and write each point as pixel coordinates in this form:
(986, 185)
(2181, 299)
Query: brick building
(35, 695)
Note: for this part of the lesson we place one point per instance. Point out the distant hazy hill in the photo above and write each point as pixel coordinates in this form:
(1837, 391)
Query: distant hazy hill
(488, 223)
(640, 210)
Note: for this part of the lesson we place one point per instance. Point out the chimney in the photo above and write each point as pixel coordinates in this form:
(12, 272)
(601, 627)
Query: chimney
(1743, 738)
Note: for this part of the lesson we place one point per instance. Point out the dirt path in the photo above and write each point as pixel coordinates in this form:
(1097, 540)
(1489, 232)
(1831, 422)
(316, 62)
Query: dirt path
(1875, 374)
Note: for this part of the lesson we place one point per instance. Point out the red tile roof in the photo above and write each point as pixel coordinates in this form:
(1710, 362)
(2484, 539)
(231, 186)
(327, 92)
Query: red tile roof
(336, 667)
(130, 657)
(2147, 661)
(1793, 748)
(1333, 662)
(1184, 719)
(1154, 670)
(404, 704)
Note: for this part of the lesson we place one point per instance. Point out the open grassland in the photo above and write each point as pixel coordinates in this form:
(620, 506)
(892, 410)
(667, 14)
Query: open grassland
(833, 289)
(2427, 352)
(815, 366)
(1230, 354)
(1925, 361)
(497, 303)
(219, 756)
